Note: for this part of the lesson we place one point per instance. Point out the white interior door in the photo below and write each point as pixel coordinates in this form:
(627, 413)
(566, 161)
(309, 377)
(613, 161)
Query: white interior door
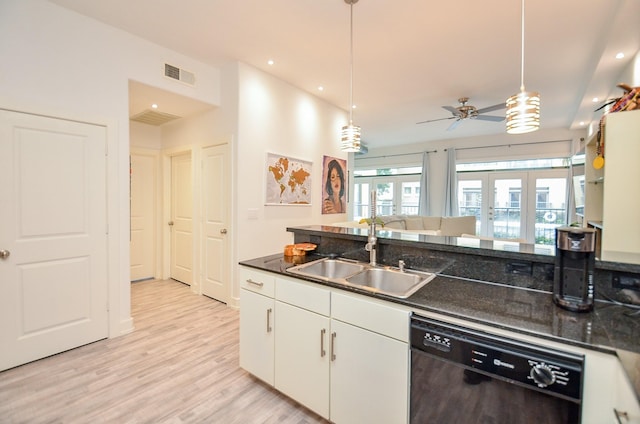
(216, 203)
(53, 232)
(144, 204)
(181, 222)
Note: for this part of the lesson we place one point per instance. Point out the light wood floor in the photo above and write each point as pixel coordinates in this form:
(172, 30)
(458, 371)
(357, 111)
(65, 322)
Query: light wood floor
(180, 365)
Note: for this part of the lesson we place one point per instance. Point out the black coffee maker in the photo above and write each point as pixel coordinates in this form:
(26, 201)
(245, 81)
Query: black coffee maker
(573, 275)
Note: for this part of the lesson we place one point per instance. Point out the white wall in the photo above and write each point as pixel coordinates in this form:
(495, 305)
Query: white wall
(145, 136)
(631, 76)
(278, 118)
(260, 114)
(59, 63)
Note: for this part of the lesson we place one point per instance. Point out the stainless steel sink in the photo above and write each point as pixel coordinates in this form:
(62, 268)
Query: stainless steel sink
(390, 281)
(328, 268)
(385, 280)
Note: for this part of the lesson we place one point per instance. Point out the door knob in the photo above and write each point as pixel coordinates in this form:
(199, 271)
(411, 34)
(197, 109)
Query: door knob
(223, 231)
(170, 222)
(4, 254)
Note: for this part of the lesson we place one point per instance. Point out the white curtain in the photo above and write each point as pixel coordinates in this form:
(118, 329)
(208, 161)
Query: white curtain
(571, 199)
(451, 185)
(424, 206)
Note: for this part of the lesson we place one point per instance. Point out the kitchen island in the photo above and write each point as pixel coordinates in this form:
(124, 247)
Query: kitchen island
(506, 289)
(527, 311)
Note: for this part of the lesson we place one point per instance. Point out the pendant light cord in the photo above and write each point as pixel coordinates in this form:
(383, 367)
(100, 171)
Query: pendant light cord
(522, 49)
(351, 67)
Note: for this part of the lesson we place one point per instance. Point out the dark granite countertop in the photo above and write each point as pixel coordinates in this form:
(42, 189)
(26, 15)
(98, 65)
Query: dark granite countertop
(608, 328)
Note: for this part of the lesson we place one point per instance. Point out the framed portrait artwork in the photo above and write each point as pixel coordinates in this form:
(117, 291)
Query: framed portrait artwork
(334, 185)
(288, 180)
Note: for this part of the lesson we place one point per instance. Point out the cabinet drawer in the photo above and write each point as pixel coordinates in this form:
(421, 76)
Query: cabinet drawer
(257, 281)
(373, 316)
(311, 298)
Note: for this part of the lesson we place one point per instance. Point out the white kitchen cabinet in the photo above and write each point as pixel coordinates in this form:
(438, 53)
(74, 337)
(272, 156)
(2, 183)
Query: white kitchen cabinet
(626, 400)
(369, 377)
(598, 389)
(610, 200)
(346, 367)
(621, 227)
(302, 359)
(370, 370)
(301, 344)
(257, 313)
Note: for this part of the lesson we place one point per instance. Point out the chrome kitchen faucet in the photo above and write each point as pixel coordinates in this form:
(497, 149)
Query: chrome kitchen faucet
(372, 240)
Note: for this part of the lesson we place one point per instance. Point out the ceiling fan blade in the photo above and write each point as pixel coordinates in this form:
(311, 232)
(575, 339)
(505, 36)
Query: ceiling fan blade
(434, 120)
(490, 118)
(452, 109)
(492, 108)
(454, 125)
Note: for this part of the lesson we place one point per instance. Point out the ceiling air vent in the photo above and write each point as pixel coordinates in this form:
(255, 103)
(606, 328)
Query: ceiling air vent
(152, 117)
(178, 74)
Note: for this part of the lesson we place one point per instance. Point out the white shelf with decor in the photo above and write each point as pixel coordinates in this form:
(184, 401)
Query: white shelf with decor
(612, 192)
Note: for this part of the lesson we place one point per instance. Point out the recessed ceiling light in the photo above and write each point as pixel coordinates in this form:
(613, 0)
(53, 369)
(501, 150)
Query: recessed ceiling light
(320, 88)
(354, 106)
(154, 106)
(270, 62)
(594, 100)
(582, 123)
(620, 55)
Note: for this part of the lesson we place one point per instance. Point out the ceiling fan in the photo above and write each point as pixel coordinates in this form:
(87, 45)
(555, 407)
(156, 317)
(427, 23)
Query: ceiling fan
(465, 111)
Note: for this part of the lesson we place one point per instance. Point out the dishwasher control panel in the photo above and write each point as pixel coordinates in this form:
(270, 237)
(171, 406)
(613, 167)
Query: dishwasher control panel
(541, 368)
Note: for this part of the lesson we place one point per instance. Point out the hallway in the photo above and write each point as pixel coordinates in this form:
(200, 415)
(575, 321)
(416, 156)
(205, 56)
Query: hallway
(180, 365)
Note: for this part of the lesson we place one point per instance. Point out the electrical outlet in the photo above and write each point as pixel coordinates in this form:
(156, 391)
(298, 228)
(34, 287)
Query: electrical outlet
(520, 268)
(549, 270)
(625, 281)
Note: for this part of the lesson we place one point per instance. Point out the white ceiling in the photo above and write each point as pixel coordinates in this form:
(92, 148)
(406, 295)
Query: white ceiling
(411, 57)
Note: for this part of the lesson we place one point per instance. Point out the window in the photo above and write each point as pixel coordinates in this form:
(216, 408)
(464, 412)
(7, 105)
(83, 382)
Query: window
(500, 195)
(542, 197)
(397, 191)
(505, 203)
(471, 198)
(514, 197)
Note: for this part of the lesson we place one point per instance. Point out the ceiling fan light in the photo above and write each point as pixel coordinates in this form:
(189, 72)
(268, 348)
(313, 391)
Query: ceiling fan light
(523, 112)
(350, 140)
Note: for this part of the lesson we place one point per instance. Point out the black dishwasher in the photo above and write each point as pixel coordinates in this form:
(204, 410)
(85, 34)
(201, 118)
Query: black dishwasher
(460, 375)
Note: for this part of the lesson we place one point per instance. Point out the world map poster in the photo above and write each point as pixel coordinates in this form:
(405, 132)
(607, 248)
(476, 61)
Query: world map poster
(288, 181)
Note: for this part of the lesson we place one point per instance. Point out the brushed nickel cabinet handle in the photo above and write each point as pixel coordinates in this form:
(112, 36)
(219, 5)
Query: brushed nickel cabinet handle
(322, 351)
(621, 414)
(269, 328)
(333, 346)
(255, 283)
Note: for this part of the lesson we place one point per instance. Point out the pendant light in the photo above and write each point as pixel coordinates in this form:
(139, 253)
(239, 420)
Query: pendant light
(523, 109)
(350, 140)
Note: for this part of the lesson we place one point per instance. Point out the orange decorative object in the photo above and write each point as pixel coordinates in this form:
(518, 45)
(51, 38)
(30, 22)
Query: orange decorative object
(298, 249)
